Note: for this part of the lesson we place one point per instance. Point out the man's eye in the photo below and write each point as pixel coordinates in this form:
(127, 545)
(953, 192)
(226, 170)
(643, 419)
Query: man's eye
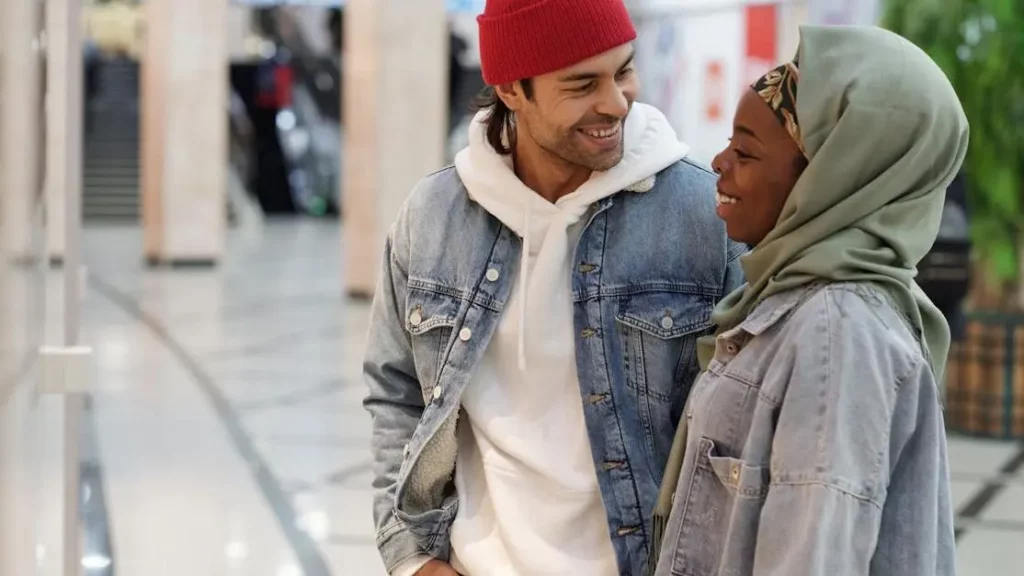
(743, 155)
(584, 88)
(624, 73)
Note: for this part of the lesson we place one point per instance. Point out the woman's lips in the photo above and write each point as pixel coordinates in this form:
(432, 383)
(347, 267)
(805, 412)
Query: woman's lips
(721, 198)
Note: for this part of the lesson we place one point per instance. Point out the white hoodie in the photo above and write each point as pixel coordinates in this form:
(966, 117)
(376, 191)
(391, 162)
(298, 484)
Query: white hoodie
(529, 502)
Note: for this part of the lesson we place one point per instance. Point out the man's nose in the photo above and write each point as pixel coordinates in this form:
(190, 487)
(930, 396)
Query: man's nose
(614, 102)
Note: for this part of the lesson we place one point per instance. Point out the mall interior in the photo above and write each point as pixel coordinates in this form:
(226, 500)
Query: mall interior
(194, 196)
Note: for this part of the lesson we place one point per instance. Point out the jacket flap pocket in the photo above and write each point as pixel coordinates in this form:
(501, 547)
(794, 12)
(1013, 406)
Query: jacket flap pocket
(739, 478)
(426, 311)
(666, 315)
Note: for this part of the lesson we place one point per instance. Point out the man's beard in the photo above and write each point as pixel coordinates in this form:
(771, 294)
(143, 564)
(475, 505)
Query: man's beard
(568, 149)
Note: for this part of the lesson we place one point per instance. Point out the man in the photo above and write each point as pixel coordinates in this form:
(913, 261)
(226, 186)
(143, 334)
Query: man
(533, 332)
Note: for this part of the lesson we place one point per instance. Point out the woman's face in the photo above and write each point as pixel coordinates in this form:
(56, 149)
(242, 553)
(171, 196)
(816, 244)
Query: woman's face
(756, 172)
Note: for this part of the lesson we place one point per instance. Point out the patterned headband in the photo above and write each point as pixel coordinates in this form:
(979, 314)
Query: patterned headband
(778, 89)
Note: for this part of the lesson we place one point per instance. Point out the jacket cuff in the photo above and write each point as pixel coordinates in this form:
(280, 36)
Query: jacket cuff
(411, 566)
(399, 545)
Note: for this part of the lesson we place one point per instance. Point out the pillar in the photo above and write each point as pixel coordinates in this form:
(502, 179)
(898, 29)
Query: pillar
(64, 105)
(395, 118)
(184, 125)
(21, 124)
(21, 128)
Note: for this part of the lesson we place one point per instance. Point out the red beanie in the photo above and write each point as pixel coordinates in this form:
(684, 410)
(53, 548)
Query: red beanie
(526, 38)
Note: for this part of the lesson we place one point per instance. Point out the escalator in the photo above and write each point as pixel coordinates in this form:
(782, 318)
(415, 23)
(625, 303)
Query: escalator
(111, 191)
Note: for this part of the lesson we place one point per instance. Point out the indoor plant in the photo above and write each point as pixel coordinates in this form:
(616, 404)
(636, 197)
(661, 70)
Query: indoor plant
(980, 46)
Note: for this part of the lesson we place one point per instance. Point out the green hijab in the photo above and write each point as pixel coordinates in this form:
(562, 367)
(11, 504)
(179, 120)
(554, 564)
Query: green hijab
(884, 134)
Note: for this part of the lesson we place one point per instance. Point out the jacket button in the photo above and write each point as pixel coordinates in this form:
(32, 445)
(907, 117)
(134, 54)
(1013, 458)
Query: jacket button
(415, 318)
(437, 392)
(465, 334)
(667, 322)
(493, 275)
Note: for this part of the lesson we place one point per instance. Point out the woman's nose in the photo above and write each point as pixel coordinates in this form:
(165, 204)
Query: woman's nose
(719, 164)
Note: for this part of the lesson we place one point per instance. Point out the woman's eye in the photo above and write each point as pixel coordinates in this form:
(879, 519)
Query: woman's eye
(743, 155)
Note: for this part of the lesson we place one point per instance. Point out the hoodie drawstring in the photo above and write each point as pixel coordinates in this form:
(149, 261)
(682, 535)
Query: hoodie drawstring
(523, 284)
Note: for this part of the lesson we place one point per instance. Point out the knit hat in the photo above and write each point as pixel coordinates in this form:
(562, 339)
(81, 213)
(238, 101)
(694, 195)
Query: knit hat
(526, 38)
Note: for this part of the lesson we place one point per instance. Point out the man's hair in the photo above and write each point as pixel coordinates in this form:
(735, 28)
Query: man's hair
(500, 121)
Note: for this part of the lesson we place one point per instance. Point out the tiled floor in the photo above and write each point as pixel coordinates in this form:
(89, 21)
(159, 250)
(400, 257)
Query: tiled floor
(230, 433)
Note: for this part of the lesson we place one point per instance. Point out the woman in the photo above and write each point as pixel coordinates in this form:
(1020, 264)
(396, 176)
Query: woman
(814, 441)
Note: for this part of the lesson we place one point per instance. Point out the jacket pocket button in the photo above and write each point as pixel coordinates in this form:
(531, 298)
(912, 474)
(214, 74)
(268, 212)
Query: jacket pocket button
(465, 334)
(667, 323)
(437, 392)
(415, 318)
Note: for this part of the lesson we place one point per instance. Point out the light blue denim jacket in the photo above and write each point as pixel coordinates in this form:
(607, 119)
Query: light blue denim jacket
(815, 446)
(648, 269)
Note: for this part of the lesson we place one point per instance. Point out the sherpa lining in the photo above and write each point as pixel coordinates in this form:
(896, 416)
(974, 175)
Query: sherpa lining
(433, 470)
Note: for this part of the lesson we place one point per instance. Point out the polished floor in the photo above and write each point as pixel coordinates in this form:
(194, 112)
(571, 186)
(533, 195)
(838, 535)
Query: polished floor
(227, 435)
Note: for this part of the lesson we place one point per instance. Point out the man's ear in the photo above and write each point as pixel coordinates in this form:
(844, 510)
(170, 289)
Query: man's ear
(512, 95)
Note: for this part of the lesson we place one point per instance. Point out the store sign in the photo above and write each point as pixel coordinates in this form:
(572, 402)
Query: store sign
(714, 91)
(696, 58)
(761, 24)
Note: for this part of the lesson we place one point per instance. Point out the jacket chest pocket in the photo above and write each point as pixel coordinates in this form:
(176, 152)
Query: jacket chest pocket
(659, 332)
(720, 516)
(430, 319)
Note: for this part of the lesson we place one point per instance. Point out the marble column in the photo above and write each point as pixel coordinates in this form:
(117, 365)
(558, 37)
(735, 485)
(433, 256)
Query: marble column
(21, 124)
(184, 125)
(395, 117)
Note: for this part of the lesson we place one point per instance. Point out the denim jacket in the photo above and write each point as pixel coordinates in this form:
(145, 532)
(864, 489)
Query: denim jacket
(815, 446)
(648, 268)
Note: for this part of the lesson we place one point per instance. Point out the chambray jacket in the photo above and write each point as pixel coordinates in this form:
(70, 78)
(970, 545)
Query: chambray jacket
(815, 446)
(648, 269)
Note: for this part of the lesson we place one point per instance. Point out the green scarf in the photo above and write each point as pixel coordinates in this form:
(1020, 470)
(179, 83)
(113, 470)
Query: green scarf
(885, 135)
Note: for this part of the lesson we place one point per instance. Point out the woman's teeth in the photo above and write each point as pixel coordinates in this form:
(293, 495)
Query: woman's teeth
(723, 199)
(606, 133)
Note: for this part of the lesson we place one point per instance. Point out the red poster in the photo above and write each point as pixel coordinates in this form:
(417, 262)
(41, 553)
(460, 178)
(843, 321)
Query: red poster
(761, 40)
(714, 90)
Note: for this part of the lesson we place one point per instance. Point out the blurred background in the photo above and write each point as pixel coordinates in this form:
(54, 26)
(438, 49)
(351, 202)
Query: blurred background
(193, 200)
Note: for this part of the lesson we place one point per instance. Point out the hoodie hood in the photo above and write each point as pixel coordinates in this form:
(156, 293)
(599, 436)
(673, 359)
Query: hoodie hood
(650, 146)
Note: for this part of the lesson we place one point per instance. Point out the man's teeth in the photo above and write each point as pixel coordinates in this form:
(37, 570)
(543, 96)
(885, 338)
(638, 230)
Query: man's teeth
(723, 199)
(606, 133)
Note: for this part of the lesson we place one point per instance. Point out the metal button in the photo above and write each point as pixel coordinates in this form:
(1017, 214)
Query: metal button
(415, 318)
(493, 275)
(406, 450)
(667, 322)
(731, 348)
(465, 334)
(735, 472)
(437, 392)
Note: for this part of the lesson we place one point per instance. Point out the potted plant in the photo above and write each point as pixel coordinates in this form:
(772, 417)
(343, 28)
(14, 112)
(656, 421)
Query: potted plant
(980, 46)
